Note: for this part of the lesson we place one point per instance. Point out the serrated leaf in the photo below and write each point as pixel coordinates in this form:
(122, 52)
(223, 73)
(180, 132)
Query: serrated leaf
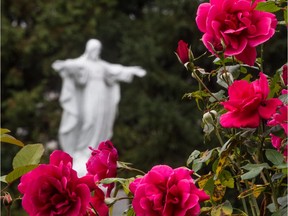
(268, 6)
(18, 172)
(28, 155)
(274, 156)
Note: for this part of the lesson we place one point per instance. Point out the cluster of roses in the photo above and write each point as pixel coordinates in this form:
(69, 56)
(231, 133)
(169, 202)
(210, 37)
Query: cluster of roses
(235, 28)
(55, 189)
(231, 28)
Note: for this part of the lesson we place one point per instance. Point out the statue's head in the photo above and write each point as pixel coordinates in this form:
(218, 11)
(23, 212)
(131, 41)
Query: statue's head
(93, 49)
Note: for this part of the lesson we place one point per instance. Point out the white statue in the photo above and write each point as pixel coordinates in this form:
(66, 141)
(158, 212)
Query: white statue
(89, 98)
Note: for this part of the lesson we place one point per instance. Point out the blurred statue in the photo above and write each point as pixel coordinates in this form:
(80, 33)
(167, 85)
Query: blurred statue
(89, 98)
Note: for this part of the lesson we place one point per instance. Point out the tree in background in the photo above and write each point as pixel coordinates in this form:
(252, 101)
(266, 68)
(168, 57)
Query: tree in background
(155, 125)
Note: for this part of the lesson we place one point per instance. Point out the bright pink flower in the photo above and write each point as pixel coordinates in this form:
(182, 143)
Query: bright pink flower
(183, 51)
(97, 204)
(55, 189)
(248, 103)
(276, 141)
(237, 24)
(103, 163)
(280, 118)
(167, 192)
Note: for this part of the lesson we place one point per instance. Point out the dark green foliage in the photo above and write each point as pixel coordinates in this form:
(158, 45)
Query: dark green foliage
(154, 124)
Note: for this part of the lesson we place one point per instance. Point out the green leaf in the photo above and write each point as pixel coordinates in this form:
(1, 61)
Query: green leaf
(226, 179)
(129, 212)
(4, 137)
(224, 209)
(193, 156)
(219, 95)
(112, 180)
(28, 155)
(254, 170)
(274, 156)
(268, 6)
(18, 172)
(4, 130)
(274, 86)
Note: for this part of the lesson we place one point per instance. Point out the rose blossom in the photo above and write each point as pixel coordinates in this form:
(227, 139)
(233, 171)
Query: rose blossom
(248, 103)
(237, 25)
(182, 52)
(165, 191)
(280, 118)
(55, 189)
(103, 163)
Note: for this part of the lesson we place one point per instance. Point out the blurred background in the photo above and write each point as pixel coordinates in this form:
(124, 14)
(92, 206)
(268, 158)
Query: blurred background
(155, 125)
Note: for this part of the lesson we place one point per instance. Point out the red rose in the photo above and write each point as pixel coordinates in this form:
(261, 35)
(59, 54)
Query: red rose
(237, 25)
(55, 189)
(182, 52)
(164, 191)
(103, 163)
(248, 104)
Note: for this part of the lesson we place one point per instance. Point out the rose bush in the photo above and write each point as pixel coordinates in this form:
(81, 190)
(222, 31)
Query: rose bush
(247, 116)
(235, 27)
(248, 104)
(167, 192)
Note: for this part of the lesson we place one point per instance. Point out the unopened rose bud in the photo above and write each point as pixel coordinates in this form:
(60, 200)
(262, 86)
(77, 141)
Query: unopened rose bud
(209, 117)
(182, 52)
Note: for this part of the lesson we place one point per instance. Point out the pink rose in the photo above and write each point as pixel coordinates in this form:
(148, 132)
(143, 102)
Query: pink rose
(280, 118)
(276, 141)
(55, 189)
(182, 52)
(237, 25)
(164, 191)
(248, 103)
(103, 163)
(97, 204)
